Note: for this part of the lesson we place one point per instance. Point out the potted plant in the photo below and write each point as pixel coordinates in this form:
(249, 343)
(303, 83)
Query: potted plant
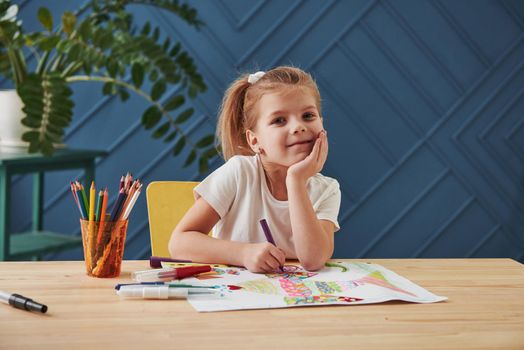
(103, 46)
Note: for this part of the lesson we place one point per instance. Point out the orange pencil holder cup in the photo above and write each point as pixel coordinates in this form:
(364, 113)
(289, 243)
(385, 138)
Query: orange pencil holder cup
(103, 247)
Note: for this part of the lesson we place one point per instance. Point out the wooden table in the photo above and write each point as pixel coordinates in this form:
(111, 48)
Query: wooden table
(485, 310)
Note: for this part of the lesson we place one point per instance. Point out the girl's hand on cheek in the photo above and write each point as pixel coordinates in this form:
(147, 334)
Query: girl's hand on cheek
(263, 257)
(313, 163)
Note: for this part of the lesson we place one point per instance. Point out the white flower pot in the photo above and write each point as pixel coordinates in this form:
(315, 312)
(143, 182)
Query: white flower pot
(11, 129)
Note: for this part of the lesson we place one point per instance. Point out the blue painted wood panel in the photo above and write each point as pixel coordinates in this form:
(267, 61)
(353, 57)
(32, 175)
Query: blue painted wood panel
(423, 102)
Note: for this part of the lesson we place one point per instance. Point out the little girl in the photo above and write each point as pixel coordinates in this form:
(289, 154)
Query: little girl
(274, 144)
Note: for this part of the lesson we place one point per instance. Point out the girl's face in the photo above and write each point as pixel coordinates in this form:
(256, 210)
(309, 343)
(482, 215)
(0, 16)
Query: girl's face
(287, 126)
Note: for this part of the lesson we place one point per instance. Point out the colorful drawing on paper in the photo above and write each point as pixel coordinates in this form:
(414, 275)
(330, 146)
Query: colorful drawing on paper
(338, 283)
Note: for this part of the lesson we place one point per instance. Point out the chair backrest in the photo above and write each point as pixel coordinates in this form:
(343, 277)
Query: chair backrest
(167, 202)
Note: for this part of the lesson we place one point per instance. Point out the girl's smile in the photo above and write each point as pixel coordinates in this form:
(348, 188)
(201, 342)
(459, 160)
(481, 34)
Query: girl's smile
(301, 143)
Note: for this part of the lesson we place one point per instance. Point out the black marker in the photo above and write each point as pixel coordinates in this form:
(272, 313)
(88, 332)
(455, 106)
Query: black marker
(21, 302)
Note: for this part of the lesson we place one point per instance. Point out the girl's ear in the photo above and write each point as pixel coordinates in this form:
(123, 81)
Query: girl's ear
(252, 141)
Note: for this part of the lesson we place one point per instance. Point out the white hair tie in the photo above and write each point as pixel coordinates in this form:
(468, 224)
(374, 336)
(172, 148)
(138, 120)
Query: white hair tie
(253, 78)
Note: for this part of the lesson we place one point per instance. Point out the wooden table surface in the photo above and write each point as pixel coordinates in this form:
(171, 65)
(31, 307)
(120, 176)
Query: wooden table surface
(485, 310)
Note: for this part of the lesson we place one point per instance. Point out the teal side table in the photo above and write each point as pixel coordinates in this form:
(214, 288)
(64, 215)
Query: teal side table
(37, 242)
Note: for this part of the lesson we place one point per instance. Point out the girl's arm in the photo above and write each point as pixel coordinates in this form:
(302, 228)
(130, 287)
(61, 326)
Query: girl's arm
(314, 238)
(190, 241)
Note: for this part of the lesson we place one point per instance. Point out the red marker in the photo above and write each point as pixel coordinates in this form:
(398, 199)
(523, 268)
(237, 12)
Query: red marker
(183, 272)
(169, 274)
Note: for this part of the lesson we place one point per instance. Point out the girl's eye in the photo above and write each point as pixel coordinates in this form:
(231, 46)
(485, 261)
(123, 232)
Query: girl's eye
(309, 116)
(278, 120)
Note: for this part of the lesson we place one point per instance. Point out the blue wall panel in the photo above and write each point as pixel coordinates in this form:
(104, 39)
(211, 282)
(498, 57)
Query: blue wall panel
(423, 102)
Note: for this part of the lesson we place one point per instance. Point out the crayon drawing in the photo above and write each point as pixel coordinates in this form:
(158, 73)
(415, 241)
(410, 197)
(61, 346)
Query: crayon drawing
(337, 283)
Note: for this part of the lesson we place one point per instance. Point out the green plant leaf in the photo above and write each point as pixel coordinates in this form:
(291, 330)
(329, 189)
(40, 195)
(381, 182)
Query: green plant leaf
(63, 46)
(158, 89)
(190, 159)
(179, 146)
(203, 164)
(34, 146)
(156, 33)
(68, 22)
(30, 136)
(124, 95)
(112, 67)
(85, 30)
(185, 115)
(161, 131)
(151, 117)
(32, 121)
(46, 147)
(211, 152)
(154, 75)
(45, 17)
(106, 41)
(174, 102)
(32, 117)
(193, 91)
(53, 137)
(173, 78)
(49, 43)
(205, 141)
(171, 136)
(56, 129)
(174, 51)
(108, 89)
(74, 51)
(146, 29)
(166, 44)
(137, 74)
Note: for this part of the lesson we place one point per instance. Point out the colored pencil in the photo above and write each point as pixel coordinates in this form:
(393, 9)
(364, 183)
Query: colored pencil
(130, 192)
(118, 205)
(84, 197)
(91, 227)
(92, 192)
(131, 203)
(121, 183)
(101, 227)
(102, 217)
(73, 190)
(99, 205)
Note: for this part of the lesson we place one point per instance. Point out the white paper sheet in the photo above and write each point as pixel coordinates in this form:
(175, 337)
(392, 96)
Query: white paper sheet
(339, 283)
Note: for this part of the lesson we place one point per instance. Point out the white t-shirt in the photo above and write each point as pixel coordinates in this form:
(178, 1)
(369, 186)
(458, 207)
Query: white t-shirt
(239, 193)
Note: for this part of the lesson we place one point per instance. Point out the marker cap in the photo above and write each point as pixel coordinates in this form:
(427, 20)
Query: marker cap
(21, 302)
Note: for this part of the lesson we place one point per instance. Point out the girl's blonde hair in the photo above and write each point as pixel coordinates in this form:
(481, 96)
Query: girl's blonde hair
(237, 111)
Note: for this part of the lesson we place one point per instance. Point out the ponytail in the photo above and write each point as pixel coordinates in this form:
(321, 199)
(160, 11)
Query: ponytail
(230, 128)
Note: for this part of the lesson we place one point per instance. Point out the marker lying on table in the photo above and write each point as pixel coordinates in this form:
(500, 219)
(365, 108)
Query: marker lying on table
(20, 302)
(162, 292)
(169, 284)
(156, 261)
(169, 274)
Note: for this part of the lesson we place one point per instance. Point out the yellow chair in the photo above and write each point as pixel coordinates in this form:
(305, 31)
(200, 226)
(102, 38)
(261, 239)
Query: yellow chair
(167, 202)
